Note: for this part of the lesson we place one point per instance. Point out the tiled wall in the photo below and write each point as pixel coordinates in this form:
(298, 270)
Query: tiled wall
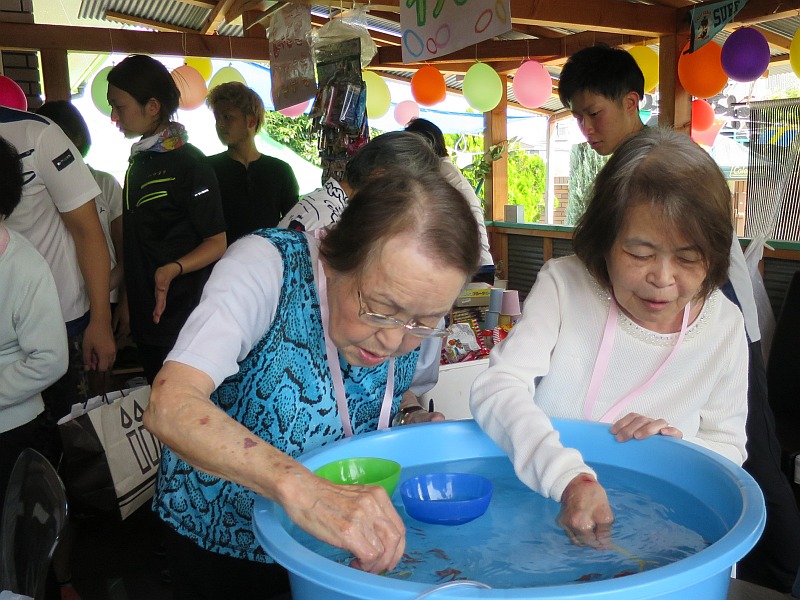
(21, 66)
(561, 194)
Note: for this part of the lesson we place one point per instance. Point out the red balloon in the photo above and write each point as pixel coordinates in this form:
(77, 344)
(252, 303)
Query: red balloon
(702, 115)
(11, 95)
(428, 86)
(701, 72)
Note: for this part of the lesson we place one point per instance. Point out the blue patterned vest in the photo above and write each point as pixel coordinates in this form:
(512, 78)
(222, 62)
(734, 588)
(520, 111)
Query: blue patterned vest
(283, 393)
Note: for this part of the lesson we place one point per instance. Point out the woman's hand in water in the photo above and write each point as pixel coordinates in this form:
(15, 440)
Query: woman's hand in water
(585, 515)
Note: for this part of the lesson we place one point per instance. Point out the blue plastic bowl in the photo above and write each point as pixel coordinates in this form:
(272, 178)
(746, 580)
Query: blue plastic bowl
(446, 498)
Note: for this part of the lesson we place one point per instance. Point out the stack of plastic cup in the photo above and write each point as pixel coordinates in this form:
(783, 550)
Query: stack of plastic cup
(509, 310)
(495, 304)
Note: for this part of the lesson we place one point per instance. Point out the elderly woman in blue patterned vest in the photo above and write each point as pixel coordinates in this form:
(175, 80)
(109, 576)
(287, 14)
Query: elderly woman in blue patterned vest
(287, 318)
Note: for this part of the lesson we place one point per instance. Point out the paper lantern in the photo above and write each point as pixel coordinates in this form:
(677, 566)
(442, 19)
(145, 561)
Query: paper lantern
(11, 95)
(202, 64)
(191, 85)
(482, 87)
(701, 73)
(225, 75)
(294, 111)
(427, 86)
(405, 112)
(532, 85)
(647, 60)
(702, 115)
(99, 91)
(378, 98)
(745, 54)
(794, 53)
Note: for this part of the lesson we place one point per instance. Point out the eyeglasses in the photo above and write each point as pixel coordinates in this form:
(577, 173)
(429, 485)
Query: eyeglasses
(384, 322)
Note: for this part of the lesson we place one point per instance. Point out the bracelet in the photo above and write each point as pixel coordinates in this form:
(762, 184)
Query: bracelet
(180, 266)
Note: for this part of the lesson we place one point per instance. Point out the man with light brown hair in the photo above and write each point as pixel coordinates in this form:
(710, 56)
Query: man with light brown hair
(257, 190)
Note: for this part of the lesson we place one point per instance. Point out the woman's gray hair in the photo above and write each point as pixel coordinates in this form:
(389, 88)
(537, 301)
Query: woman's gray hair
(664, 169)
(389, 151)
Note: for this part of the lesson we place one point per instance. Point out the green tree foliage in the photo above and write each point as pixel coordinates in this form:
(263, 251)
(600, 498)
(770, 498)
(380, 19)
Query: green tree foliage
(584, 164)
(294, 132)
(526, 172)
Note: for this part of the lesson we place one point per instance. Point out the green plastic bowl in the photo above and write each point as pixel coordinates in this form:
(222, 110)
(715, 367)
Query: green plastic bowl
(363, 471)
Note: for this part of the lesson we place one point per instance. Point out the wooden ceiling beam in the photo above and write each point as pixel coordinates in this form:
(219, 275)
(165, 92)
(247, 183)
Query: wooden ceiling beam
(239, 7)
(216, 17)
(200, 3)
(392, 6)
(612, 16)
(127, 19)
(761, 11)
(35, 36)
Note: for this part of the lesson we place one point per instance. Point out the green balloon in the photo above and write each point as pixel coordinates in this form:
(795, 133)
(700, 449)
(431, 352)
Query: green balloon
(482, 87)
(225, 75)
(378, 98)
(99, 91)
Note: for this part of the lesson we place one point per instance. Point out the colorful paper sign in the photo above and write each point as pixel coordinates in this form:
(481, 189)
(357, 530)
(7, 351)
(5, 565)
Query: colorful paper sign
(433, 28)
(709, 19)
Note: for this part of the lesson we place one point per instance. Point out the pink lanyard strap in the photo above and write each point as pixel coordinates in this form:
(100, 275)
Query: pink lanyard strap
(5, 237)
(601, 365)
(336, 370)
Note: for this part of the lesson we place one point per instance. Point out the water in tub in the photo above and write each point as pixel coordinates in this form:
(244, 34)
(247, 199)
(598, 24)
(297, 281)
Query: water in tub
(518, 544)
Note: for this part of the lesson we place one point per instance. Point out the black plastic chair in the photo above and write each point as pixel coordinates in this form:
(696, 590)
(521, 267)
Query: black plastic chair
(783, 379)
(33, 517)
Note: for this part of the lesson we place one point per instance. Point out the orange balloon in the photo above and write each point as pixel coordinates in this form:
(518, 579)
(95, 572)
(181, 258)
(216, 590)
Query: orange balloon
(427, 86)
(701, 73)
(191, 85)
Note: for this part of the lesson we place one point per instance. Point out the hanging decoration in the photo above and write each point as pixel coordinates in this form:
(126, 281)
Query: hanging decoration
(702, 115)
(225, 75)
(482, 87)
(532, 84)
(405, 112)
(296, 110)
(745, 54)
(11, 95)
(701, 72)
(202, 64)
(99, 91)
(647, 60)
(291, 59)
(191, 85)
(428, 86)
(378, 97)
(707, 136)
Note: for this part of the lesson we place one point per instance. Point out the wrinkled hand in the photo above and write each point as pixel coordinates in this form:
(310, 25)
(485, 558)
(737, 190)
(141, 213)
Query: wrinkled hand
(163, 278)
(585, 515)
(358, 518)
(99, 348)
(423, 416)
(638, 427)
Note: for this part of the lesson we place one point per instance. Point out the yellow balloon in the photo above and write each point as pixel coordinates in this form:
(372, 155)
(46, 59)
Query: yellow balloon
(647, 60)
(794, 53)
(378, 97)
(202, 64)
(225, 75)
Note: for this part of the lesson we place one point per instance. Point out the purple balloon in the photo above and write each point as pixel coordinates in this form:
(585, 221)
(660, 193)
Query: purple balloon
(745, 55)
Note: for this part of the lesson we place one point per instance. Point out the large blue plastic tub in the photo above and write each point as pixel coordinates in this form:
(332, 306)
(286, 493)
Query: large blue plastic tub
(716, 482)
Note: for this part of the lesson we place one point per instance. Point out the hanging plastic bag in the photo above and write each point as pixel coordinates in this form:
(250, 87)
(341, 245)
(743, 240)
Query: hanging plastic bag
(766, 318)
(351, 24)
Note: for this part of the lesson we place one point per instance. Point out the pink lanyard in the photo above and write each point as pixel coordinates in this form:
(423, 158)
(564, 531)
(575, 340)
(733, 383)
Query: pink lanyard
(5, 237)
(601, 364)
(336, 370)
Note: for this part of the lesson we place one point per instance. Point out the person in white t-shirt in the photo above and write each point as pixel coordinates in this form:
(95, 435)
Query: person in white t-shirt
(632, 330)
(57, 215)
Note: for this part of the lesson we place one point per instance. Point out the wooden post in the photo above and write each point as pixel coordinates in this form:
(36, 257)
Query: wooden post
(55, 74)
(495, 124)
(675, 103)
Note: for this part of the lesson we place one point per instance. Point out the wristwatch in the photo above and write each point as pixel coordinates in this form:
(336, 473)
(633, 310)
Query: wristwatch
(401, 417)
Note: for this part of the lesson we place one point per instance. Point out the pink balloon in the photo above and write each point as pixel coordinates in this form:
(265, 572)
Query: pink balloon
(405, 111)
(532, 85)
(294, 111)
(191, 85)
(11, 95)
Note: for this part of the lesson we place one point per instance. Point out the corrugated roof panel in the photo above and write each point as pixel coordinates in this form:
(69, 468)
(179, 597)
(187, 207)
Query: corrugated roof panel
(179, 14)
